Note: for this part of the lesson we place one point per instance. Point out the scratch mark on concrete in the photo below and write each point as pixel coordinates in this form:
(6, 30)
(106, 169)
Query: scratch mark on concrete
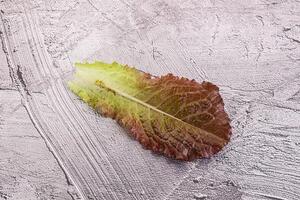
(260, 19)
(216, 29)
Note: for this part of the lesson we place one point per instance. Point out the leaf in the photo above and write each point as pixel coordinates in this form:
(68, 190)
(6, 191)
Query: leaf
(177, 117)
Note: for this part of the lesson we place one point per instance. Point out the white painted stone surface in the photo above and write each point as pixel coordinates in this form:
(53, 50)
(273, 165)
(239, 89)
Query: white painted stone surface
(52, 146)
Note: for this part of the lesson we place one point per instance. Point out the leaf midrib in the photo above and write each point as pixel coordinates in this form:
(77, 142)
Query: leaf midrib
(127, 96)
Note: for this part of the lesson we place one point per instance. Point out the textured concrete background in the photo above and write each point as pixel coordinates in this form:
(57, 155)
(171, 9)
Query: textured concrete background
(52, 146)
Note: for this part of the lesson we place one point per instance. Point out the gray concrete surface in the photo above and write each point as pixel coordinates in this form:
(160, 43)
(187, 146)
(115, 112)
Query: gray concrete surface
(52, 146)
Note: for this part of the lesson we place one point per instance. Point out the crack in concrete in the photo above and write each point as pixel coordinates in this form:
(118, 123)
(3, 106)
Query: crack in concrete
(21, 79)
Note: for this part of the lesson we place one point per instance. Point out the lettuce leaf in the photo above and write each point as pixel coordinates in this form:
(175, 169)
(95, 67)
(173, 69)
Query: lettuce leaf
(174, 116)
